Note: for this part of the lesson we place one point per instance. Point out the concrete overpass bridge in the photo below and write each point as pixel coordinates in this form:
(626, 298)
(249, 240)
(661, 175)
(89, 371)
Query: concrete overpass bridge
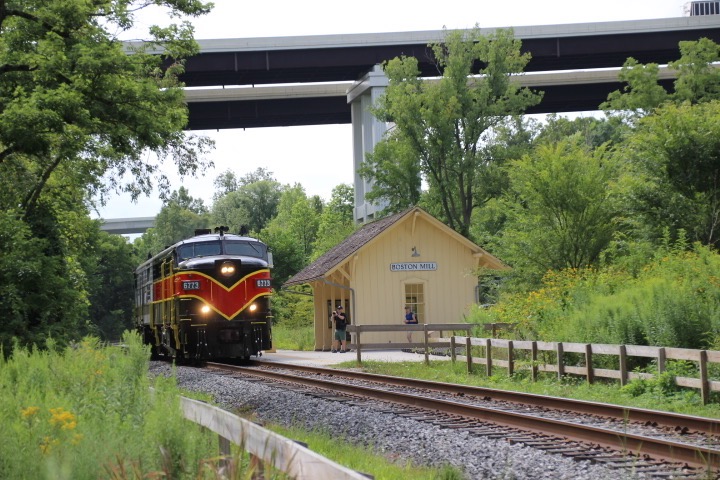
(333, 79)
(311, 76)
(125, 226)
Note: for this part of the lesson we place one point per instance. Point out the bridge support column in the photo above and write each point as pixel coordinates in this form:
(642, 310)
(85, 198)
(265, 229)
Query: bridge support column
(367, 131)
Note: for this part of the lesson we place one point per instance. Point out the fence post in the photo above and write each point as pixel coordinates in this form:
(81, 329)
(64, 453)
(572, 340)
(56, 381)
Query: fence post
(661, 360)
(560, 364)
(225, 452)
(357, 347)
(488, 357)
(427, 350)
(257, 468)
(533, 359)
(704, 384)
(452, 349)
(588, 363)
(511, 366)
(468, 354)
(623, 365)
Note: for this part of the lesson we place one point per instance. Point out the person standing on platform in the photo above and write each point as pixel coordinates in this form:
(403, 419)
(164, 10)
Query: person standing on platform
(341, 320)
(410, 319)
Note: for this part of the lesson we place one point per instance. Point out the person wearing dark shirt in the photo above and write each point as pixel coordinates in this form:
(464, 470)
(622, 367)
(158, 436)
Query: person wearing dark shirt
(410, 319)
(341, 320)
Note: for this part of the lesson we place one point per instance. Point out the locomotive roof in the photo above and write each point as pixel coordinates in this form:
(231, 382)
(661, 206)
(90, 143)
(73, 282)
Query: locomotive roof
(206, 237)
(215, 236)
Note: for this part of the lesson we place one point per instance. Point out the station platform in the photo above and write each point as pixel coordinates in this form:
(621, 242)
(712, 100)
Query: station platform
(329, 358)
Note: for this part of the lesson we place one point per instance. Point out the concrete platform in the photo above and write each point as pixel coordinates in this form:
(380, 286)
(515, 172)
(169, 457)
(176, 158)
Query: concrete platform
(328, 358)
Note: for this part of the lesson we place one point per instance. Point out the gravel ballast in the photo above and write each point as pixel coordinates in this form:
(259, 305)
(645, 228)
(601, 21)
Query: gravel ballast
(388, 434)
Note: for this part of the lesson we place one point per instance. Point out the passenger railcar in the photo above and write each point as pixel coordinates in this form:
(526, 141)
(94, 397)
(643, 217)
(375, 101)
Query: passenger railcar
(206, 297)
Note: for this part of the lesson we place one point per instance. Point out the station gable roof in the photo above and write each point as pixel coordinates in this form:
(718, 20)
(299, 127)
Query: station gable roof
(368, 232)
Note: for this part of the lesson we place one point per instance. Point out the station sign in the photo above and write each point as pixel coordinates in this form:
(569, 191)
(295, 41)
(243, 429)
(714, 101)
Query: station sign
(413, 266)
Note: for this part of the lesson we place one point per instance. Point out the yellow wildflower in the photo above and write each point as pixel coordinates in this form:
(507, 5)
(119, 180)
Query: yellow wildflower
(30, 411)
(62, 418)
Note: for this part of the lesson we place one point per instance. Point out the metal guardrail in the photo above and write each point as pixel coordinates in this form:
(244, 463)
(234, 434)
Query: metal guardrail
(265, 446)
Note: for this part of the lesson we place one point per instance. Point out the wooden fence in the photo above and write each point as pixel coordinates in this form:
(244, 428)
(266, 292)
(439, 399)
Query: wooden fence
(503, 353)
(265, 446)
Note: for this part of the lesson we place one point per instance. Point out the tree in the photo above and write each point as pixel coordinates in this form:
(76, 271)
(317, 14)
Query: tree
(110, 286)
(292, 232)
(675, 153)
(178, 219)
(440, 125)
(673, 190)
(336, 221)
(78, 110)
(253, 202)
(561, 208)
(698, 80)
(395, 171)
(75, 103)
(225, 183)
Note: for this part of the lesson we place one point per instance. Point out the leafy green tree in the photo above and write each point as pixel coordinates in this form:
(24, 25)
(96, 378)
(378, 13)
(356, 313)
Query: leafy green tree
(178, 219)
(591, 131)
(395, 171)
(111, 285)
(561, 209)
(698, 80)
(292, 232)
(79, 110)
(441, 124)
(225, 183)
(675, 154)
(336, 221)
(74, 103)
(253, 202)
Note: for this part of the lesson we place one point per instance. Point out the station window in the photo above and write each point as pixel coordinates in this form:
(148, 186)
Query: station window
(415, 299)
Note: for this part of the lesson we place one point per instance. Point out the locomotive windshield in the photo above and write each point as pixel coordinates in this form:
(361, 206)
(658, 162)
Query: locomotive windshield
(199, 249)
(247, 249)
(204, 249)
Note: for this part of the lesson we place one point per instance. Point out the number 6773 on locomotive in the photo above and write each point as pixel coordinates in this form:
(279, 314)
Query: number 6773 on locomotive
(206, 297)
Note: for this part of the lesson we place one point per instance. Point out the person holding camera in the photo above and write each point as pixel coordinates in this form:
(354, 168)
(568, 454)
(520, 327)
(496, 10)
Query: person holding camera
(341, 320)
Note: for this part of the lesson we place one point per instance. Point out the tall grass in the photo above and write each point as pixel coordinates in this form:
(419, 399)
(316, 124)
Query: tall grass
(674, 300)
(293, 337)
(87, 412)
(365, 459)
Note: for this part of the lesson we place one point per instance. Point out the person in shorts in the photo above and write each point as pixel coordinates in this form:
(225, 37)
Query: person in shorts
(410, 319)
(341, 321)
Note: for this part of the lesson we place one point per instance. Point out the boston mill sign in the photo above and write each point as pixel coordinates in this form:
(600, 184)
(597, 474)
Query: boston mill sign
(413, 266)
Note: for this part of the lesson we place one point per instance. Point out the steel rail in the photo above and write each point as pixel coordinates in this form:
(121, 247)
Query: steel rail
(662, 449)
(706, 425)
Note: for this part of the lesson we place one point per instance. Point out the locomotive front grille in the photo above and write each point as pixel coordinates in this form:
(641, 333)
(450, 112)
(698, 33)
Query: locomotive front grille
(229, 335)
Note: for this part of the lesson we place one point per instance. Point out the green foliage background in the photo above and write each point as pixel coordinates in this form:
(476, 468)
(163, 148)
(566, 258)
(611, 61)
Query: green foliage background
(673, 300)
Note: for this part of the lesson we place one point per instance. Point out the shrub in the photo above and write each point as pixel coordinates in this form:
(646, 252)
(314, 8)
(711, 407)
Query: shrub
(88, 412)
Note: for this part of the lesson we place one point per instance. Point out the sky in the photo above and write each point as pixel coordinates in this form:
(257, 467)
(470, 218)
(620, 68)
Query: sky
(320, 157)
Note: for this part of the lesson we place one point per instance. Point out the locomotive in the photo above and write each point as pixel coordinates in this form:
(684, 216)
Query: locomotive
(206, 297)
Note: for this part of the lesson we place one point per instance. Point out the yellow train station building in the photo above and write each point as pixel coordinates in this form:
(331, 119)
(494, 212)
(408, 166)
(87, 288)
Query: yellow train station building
(409, 258)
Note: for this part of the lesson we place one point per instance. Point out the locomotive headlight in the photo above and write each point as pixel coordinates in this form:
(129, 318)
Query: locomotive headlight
(205, 309)
(253, 307)
(227, 269)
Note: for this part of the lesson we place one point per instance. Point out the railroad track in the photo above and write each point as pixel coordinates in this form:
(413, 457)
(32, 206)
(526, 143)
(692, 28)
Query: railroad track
(657, 444)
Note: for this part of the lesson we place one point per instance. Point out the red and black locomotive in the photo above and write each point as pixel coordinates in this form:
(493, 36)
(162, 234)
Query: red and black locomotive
(206, 297)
